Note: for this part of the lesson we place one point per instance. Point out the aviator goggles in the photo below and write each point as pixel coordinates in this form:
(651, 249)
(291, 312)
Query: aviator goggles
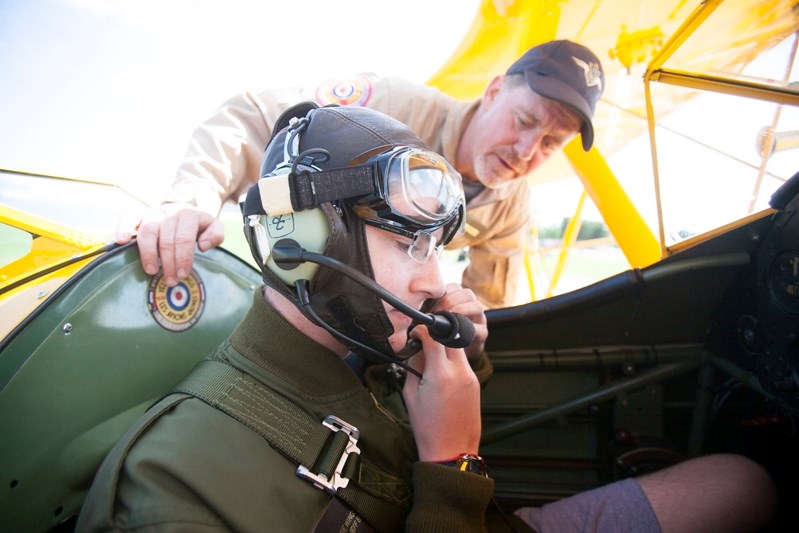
(411, 192)
(419, 197)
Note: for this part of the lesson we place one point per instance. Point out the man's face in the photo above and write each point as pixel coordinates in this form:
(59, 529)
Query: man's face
(515, 131)
(410, 281)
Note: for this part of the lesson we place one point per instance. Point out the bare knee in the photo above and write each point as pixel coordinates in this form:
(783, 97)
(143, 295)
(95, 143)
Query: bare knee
(721, 492)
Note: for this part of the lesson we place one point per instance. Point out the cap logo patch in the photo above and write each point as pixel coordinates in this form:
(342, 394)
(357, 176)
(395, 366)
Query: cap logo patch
(349, 91)
(593, 76)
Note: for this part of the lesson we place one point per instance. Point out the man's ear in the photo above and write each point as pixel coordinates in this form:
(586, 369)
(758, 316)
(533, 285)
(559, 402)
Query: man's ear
(492, 90)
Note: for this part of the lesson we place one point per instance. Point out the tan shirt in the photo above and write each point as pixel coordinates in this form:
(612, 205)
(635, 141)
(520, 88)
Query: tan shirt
(225, 151)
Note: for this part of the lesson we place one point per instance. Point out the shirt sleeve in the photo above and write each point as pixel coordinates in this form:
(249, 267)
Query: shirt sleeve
(446, 499)
(225, 151)
(224, 154)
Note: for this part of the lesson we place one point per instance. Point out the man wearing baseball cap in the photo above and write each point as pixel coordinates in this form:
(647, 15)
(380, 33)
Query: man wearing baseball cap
(568, 73)
(524, 116)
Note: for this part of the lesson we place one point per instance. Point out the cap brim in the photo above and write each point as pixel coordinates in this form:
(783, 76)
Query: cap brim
(554, 89)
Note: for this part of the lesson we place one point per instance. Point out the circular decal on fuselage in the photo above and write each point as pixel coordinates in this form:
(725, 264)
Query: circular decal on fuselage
(176, 308)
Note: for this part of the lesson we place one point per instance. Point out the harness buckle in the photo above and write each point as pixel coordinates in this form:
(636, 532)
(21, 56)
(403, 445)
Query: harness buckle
(337, 480)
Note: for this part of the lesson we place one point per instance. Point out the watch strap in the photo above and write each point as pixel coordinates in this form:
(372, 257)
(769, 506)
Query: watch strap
(467, 462)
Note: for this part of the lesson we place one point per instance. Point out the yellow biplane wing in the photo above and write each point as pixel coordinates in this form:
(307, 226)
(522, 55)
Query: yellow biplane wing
(634, 40)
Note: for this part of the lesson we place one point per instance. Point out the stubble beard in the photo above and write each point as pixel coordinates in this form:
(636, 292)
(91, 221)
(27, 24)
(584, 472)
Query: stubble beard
(493, 174)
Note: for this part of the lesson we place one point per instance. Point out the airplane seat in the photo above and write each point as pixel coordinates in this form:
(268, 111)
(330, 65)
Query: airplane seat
(95, 355)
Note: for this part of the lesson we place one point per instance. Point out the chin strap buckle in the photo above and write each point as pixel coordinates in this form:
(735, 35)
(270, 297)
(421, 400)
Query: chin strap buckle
(330, 463)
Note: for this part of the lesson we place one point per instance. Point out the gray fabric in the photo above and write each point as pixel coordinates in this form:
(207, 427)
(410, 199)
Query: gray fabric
(618, 507)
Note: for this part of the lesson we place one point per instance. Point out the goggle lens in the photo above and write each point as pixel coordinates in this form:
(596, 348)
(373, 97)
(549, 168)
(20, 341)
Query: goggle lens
(422, 186)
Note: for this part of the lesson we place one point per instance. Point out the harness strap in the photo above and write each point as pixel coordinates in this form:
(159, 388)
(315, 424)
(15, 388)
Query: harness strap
(326, 451)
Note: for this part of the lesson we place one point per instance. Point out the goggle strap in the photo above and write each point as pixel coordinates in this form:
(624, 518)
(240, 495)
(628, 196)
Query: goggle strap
(311, 189)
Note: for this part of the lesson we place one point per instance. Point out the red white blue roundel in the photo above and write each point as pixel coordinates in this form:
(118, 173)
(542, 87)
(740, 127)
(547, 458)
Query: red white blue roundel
(176, 308)
(345, 91)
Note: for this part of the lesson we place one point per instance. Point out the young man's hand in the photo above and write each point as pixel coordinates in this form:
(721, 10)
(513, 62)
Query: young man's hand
(444, 406)
(464, 302)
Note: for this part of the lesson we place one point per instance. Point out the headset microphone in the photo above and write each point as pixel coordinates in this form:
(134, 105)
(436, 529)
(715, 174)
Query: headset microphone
(447, 328)
(451, 329)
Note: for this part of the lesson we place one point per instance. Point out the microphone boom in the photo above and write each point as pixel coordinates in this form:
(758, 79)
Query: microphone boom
(449, 329)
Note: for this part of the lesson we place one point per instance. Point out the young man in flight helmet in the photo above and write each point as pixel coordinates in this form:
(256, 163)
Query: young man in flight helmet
(291, 426)
(356, 189)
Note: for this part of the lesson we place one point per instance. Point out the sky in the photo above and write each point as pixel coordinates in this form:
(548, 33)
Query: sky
(110, 90)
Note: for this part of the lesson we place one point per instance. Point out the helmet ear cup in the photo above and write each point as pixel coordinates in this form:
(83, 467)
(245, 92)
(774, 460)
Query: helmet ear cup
(310, 229)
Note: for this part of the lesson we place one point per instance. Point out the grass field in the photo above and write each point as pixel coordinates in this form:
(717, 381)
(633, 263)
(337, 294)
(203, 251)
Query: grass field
(14, 243)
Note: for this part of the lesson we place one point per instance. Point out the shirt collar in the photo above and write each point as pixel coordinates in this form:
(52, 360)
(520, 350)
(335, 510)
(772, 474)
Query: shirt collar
(275, 347)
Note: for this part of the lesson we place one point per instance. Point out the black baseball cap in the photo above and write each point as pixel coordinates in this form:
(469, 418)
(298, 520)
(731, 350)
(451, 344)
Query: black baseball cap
(568, 73)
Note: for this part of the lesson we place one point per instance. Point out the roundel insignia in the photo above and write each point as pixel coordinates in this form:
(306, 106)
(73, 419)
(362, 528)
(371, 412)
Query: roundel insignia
(176, 308)
(345, 91)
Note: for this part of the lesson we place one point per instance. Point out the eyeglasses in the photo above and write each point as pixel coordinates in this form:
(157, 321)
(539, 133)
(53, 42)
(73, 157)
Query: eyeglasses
(422, 244)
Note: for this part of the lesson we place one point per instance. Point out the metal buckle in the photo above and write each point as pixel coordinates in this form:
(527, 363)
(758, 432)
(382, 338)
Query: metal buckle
(320, 480)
